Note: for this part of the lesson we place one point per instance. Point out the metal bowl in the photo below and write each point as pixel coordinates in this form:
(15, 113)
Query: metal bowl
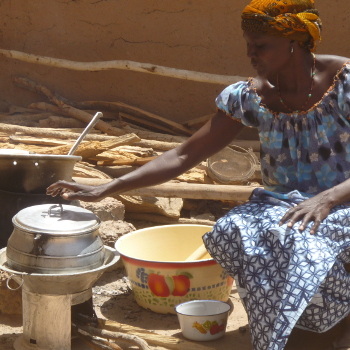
(203, 320)
(33, 173)
(55, 239)
(52, 284)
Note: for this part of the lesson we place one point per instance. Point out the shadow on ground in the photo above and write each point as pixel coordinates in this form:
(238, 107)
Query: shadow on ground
(304, 340)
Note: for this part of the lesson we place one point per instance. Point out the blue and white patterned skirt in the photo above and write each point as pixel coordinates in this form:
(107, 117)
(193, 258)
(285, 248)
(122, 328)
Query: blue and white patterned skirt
(285, 277)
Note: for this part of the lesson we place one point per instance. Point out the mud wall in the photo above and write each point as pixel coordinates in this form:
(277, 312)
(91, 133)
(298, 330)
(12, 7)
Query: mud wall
(202, 36)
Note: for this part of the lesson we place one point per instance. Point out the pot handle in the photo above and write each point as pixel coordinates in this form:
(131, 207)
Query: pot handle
(11, 278)
(55, 206)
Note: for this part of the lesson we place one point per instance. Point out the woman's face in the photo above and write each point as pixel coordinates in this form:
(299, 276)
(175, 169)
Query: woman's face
(268, 54)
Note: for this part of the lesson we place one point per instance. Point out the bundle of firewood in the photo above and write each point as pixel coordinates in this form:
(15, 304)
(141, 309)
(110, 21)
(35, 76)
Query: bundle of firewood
(124, 139)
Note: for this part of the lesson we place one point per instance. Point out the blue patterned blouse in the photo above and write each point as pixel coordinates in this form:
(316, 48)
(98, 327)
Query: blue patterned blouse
(304, 151)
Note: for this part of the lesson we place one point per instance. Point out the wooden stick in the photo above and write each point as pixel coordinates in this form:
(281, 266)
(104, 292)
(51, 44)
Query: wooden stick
(23, 117)
(55, 121)
(116, 336)
(165, 341)
(149, 135)
(16, 109)
(48, 107)
(147, 125)
(137, 161)
(123, 64)
(48, 132)
(157, 145)
(30, 140)
(98, 343)
(164, 220)
(66, 109)
(183, 190)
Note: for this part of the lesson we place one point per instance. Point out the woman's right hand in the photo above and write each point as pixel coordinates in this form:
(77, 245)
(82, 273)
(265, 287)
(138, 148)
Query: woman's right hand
(72, 191)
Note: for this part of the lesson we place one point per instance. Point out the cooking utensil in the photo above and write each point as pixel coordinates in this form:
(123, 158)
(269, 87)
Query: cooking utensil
(55, 239)
(200, 253)
(21, 172)
(33, 173)
(92, 123)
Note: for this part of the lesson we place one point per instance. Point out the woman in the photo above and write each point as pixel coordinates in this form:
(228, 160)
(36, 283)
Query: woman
(286, 247)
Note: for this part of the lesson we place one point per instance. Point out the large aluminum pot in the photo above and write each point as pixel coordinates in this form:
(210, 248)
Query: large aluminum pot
(55, 239)
(33, 173)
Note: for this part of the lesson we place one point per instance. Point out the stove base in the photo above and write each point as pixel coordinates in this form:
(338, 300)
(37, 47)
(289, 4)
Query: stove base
(77, 344)
(21, 344)
(47, 320)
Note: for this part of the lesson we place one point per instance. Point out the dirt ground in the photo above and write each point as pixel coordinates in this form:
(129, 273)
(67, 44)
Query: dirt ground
(114, 300)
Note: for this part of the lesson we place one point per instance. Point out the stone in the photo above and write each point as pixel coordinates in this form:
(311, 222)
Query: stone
(170, 207)
(107, 209)
(111, 230)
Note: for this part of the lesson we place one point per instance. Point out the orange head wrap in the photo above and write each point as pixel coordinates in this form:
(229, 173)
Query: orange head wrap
(294, 19)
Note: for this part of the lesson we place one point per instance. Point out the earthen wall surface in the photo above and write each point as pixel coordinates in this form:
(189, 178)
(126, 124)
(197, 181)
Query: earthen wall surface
(195, 35)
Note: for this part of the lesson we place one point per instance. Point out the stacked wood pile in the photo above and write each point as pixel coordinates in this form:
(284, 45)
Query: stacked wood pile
(126, 138)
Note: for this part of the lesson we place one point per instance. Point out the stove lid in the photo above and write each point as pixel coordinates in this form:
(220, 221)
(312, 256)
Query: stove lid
(56, 219)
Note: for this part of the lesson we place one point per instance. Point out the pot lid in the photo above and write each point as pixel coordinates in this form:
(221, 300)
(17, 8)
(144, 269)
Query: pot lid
(56, 219)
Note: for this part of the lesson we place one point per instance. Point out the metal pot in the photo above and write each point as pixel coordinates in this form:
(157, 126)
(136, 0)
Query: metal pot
(55, 239)
(12, 203)
(33, 173)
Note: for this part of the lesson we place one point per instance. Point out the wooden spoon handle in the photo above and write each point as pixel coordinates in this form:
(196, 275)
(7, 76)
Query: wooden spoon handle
(198, 254)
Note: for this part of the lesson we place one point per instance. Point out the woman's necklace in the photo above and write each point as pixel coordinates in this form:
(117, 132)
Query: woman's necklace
(310, 92)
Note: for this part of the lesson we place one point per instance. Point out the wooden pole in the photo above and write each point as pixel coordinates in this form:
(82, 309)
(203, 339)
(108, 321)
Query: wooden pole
(183, 190)
(165, 220)
(123, 64)
(47, 132)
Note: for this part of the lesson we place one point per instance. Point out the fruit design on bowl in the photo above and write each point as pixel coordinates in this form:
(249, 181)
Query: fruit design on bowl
(160, 289)
(164, 286)
(210, 327)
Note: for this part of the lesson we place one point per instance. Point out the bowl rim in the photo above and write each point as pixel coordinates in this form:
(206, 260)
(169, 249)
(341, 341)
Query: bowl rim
(39, 156)
(111, 257)
(230, 308)
(176, 262)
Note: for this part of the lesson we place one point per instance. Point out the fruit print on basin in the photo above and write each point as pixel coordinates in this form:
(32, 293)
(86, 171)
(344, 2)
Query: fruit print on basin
(159, 287)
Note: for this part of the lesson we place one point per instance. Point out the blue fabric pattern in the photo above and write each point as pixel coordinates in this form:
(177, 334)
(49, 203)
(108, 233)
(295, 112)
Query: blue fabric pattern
(307, 151)
(285, 277)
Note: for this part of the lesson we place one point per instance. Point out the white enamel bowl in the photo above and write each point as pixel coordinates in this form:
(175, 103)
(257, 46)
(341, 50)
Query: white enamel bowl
(203, 320)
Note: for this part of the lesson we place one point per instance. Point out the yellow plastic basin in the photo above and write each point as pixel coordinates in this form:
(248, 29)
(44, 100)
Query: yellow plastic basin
(154, 259)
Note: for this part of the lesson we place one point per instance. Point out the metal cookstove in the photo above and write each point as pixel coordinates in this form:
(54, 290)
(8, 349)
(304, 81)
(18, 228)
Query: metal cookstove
(48, 298)
(47, 303)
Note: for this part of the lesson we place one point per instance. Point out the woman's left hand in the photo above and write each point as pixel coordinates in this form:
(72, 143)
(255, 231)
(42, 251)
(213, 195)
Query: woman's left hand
(314, 209)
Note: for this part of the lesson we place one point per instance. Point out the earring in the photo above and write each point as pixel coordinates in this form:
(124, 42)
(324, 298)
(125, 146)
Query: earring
(292, 49)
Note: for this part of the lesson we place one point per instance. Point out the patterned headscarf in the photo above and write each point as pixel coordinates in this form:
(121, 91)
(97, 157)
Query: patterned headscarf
(294, 19)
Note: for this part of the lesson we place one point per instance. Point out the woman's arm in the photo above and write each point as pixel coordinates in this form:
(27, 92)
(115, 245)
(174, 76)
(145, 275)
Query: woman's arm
(212, 137)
